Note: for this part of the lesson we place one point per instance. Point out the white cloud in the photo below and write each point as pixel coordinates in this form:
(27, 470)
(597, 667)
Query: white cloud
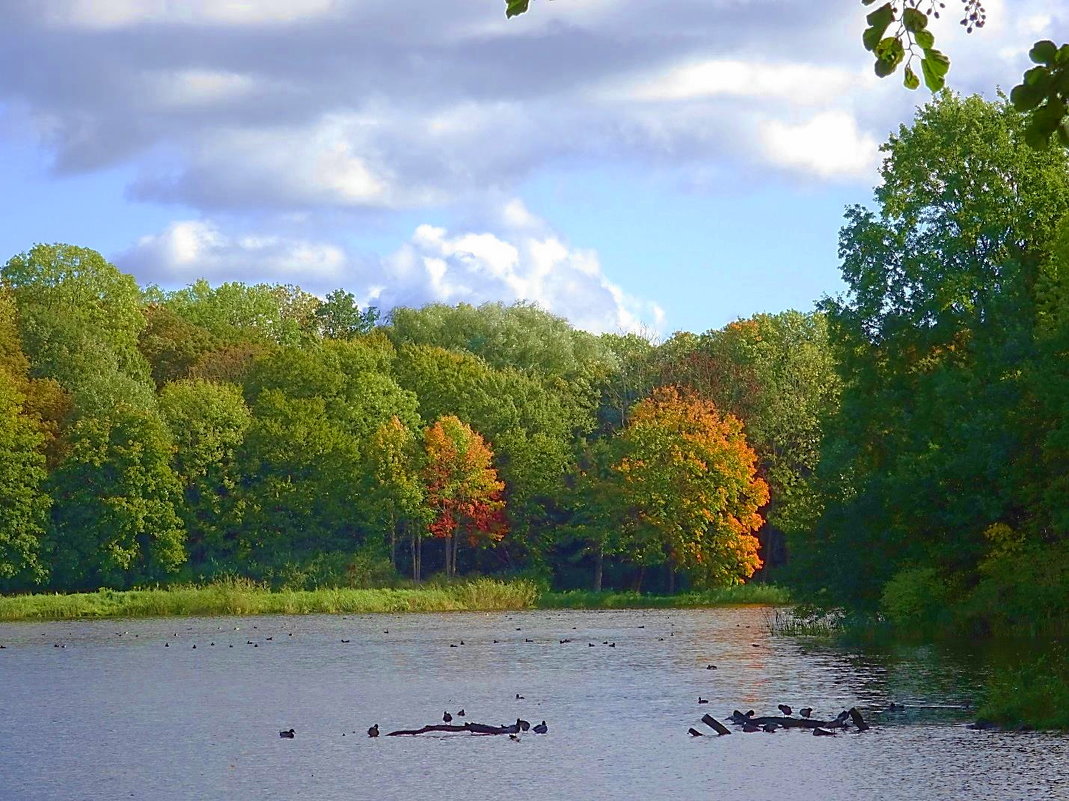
(829, 144)
(434, 266)
(190, 249)
(797, 83)
(105, 14)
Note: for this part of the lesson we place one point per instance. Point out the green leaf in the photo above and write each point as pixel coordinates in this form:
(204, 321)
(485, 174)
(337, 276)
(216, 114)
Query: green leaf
(515, 7)
(1038, 77)
(914, 20)
(881, 17)
(871, 37)
(925, 39)
(935, 70)
(1025, 97)
(910, 79)
(1063, 133)
(1043, 52)
(1035, 137)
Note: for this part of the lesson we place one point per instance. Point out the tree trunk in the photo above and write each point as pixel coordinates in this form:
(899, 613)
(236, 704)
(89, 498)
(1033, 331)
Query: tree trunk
(599, 563)
(419, 557)
(637, 587)
(671, 579)
(393, 540)
(447, 544)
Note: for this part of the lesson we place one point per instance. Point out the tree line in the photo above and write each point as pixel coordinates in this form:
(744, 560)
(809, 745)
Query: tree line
(152, 436)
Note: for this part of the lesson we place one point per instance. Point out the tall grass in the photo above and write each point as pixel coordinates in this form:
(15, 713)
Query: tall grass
(245, 597)
(804, 623)
(725, 596)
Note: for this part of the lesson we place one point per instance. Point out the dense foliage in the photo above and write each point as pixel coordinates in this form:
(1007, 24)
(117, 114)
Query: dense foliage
(260, 431)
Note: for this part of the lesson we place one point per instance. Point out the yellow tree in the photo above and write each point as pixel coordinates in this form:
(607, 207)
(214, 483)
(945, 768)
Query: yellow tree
(690, 483)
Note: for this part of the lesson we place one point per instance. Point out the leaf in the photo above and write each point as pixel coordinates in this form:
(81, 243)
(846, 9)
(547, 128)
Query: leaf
(515, 7)
(914, 20)
(881, 17)
(910, 79)
(1025, 97)
(871, 37)
(933, 79)
(1063, 133)
(925, 39)
(1043, 52)
(889, 54)
(1039, 77)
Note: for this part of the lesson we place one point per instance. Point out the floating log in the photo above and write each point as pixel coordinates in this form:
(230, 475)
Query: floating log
(715, 725)
(472, 728)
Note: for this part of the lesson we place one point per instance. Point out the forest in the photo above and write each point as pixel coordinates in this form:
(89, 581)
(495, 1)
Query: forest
(901, 448)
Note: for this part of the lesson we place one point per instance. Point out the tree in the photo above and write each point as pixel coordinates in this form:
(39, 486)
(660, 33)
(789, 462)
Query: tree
(689, 479)
(171, 344)
(463, 490)
(937, 433)
(114, 521)
(1043, 92)
(400, 496)
(79, 317)
(208, 423)
(340, 317)
(23, 500)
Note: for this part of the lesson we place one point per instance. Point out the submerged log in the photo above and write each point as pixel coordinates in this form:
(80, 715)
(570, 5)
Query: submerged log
(859, 721)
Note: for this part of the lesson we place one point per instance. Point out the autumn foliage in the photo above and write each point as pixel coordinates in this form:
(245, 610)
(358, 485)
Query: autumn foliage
(463, 490)
(690, 479)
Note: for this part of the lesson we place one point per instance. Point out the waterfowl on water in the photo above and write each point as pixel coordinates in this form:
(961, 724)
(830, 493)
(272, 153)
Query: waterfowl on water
(523, 724)
(447, 717)
(288, 734)
(702, 700)
(519, 697)
(460, 714)
(786, 710)
(805, 711)
(373, 731)
(541, 728)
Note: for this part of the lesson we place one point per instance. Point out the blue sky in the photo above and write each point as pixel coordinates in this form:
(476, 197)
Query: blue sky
(628, 164)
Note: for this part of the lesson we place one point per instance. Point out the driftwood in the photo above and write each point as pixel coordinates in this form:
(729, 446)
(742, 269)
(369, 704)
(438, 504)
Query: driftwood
(801, 723)
(716, 725)
(473, 728)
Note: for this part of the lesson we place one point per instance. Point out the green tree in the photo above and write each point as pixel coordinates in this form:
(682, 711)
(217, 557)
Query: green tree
(114, 521)
(935, 439)
(340, 317)
(208, 423)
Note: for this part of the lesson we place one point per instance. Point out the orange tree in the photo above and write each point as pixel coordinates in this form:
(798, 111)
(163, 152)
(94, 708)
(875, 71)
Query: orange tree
(463, 490)
(689, 482)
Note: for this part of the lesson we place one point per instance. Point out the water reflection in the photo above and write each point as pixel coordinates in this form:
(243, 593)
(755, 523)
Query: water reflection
(130, 709)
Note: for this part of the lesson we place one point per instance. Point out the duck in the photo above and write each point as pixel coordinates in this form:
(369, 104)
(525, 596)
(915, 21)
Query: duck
(519, 697)
(523, 724)
(288, 734)
(446, 717)
(541, 728)
(786, 710)
(805, 711)
(702, 700)
(460, 714)
(373, 731)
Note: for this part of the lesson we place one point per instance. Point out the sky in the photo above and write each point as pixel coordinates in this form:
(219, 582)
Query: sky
(631, 165)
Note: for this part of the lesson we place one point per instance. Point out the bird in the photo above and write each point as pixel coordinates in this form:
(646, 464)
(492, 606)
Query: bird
(523, 724)
(710, 667)
(805, 711)
(446, 717)
(345, 641)
(749, 713)
(373, 731)
(287, 735)
(786, 710)
(842, 716)
(694, 732)
(460, 714)
(519, 697)
(541, 728)
(750, 727)
(702, 700)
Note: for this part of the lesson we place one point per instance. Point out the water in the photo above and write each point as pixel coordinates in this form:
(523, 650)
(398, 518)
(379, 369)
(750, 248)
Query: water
(116, 714)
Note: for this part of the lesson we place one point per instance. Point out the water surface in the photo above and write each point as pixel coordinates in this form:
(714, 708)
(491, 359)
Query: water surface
(130, 709)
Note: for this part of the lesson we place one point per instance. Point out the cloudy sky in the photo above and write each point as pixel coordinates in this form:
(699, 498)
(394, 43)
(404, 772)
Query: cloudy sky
(652, 165)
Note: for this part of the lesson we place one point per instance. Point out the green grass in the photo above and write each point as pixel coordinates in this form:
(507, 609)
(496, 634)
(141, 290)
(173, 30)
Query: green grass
(1034, 694)
(242, 597)
(725, 596)
(239, 597)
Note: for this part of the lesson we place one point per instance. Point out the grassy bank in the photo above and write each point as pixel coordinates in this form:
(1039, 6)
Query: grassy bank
(725, 596)
(247, 598)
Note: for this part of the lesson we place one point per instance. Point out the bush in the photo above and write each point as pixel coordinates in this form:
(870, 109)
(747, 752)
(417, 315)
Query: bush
(916, 598)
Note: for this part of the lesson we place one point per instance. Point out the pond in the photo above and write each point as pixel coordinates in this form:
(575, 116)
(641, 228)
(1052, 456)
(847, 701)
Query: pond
(192, 709)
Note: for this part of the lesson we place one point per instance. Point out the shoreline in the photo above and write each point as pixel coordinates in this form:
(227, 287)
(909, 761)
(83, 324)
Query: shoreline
(240, 598)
